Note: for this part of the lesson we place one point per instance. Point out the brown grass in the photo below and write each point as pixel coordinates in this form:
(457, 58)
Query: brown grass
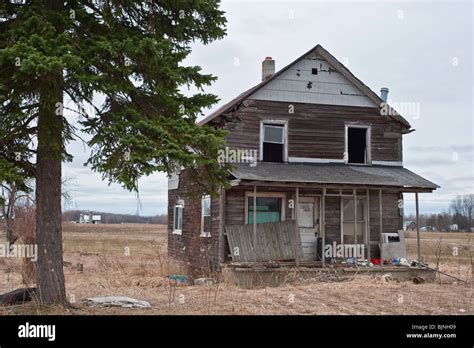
(142, 274)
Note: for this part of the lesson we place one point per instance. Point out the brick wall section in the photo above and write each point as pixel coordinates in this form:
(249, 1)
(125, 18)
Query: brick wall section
(201, 254)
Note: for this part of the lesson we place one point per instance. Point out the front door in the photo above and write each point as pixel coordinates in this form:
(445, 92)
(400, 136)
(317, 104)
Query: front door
(308, 223)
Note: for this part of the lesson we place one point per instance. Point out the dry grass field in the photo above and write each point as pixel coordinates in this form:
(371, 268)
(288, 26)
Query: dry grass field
(131, 260)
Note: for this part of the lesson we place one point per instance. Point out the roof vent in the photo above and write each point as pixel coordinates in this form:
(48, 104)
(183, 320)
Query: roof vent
(268, 68)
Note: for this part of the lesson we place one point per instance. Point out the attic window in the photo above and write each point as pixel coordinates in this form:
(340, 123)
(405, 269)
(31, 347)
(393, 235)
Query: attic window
(314, 71)
(272, 141)
(358, 144)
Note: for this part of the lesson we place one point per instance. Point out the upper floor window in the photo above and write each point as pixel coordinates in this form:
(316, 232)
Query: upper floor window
(206, 216)
(273, 141)
(357, 144)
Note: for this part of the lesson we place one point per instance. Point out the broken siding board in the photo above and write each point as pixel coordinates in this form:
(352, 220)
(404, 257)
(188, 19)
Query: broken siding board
(275, 241)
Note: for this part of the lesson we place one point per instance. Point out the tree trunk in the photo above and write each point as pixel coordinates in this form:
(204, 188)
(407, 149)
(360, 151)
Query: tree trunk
(50, 275)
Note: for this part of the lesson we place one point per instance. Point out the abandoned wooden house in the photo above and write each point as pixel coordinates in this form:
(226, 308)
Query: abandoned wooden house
(320, 165)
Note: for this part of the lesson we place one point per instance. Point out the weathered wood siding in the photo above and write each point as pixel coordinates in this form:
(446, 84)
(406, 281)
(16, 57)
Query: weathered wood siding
(333, 220)
(314, 130)
(325, 86)
(201, 254)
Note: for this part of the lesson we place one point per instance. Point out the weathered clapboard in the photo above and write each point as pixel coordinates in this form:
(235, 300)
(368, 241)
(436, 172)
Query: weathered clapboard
(275, 241)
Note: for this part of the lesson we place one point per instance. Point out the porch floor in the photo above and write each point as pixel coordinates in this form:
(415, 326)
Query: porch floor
(251, 275)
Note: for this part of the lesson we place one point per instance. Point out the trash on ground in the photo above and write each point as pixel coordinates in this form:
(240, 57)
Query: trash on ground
(179, 278)
(115, 301)
(204, 281)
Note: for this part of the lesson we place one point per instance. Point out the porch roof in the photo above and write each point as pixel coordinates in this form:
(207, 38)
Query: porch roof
(339, 174)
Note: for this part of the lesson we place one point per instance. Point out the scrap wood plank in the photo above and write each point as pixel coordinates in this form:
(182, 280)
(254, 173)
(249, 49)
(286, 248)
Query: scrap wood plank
(275, 241)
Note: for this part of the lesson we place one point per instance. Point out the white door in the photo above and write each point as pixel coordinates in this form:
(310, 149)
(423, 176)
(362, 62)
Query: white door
(308, 223)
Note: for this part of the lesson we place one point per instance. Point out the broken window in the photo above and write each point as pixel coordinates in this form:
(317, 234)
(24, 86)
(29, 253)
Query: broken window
(206, 216)
(268, 209)
(273, 142)
(357, 145)
(178, 219)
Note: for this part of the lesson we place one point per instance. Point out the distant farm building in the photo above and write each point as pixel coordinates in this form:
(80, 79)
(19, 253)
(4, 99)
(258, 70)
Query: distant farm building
(85, 218)
(454, 227)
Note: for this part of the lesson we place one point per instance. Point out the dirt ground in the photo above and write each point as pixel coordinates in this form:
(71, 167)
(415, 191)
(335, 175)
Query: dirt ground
(131, 260)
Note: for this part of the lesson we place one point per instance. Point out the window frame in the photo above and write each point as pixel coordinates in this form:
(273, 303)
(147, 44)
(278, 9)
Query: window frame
(271, 122)
(368, 143)
(180, 206)
(364, 222)
(205, 233)
(249, 194)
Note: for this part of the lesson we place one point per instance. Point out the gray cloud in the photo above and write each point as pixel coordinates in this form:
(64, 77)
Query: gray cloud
(409, 47)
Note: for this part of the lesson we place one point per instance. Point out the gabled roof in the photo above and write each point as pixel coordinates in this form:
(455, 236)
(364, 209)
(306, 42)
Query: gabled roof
(339, 174)
(335, 64)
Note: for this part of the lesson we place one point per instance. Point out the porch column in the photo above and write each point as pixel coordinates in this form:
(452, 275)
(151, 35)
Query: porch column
(254, 216)
(418, 229)
(323, 225)
(354, 193)
(367, 225)
(222, 225)
(380, 225)
(297, 198)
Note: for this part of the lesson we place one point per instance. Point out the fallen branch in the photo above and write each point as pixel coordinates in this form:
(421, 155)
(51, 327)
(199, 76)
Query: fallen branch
(17, 296)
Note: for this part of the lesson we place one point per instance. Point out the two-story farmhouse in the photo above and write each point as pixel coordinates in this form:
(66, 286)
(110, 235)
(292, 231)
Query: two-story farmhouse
(322, 166)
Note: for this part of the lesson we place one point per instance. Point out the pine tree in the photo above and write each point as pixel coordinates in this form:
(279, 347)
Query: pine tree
(129, 54)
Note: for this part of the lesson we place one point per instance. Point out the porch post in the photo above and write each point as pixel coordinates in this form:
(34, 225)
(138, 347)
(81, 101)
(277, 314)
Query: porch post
(297, 198)
(418, 229)
(380, 225)
(323, 225)
(367, 226)
(254, 216)
(354, 193)
(222, 225)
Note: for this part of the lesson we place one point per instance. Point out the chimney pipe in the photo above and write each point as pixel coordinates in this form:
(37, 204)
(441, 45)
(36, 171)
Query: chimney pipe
(384, 93)
(268, 68)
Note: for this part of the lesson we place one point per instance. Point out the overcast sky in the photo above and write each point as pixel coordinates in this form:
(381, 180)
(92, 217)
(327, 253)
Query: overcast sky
(421, 51)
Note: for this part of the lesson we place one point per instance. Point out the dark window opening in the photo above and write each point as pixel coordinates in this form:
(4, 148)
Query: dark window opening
(357, 145)
(314, 71)
(273, 143)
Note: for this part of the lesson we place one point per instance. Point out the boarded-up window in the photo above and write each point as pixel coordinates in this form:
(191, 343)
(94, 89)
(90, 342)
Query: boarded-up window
(206, 216)
(268, 209)
(273, 142)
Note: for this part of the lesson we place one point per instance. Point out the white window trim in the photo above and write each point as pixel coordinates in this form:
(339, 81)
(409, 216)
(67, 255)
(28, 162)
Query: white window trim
(205, 234)
(179, 204)
(368, 142)
(314, 160)
(283, 123)
(281, 195)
